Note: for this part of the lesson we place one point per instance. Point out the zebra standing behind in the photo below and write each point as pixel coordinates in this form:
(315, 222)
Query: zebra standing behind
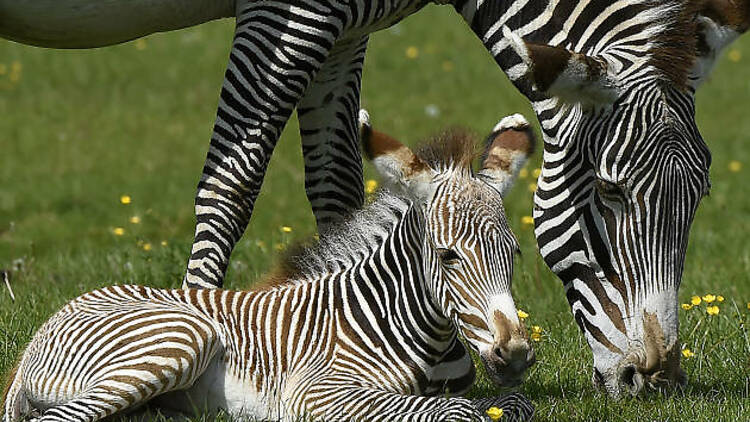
(362, 326)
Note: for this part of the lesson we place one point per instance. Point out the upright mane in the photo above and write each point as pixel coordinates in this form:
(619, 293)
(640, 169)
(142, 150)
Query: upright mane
(452, 149)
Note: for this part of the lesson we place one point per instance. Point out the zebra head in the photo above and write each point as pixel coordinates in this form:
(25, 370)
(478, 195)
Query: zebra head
(468, 248)
(625, 168)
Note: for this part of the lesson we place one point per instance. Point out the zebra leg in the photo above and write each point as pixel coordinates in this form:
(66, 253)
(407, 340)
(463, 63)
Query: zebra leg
(328, 126)
(277, 49)
(334, 403)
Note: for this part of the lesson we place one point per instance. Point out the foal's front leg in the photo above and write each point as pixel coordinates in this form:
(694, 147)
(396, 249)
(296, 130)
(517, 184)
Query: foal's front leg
(277, 50)
(336, 402)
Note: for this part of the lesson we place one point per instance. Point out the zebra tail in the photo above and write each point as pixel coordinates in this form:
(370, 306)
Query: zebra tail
(14, 396)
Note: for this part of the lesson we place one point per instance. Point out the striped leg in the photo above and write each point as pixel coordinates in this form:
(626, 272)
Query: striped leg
(328, 125)
(368, 404)
(277, 50)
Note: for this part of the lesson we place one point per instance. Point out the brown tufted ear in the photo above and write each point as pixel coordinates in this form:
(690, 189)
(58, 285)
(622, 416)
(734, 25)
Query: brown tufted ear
(397, 164)
(572, 77)
(508, 147)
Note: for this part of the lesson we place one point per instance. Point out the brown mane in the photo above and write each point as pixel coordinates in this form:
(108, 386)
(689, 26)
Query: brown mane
(455, 147)
(677, 46)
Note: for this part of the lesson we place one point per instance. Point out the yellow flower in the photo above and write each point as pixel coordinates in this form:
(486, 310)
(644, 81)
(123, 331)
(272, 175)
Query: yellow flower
(140, 44)
(146, 246)
(536, 173)
(523, 173)
(719, 298)
(687, 306)
(536, 329)
(527, 220)
(494, 413)
(709, 298)
(532, 187)
(536, 336)
(135, 219)
(735, 166)
(748, 306)
(125, 199)
(687, 353)
(735, 55)
(522, 314)
(712, 310)
(412, 52)
(118, 231)
(695, 300)
(286, 229)
(447, 66)
(15, 71)
(164, 243)
(370, 186)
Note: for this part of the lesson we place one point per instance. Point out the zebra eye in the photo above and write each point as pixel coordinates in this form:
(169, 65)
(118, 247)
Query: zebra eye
(609, 190)
(448, 256)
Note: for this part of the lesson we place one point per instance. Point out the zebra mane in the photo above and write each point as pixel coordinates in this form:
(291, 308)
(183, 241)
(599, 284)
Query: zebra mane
(454, 148)
(345, 243)
(677, 42)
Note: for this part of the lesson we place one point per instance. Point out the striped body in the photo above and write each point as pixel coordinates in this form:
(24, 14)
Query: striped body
(363, 326)
(250, 353)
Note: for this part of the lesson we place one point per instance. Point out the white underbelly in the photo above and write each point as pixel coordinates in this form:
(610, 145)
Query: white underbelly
(218, 390)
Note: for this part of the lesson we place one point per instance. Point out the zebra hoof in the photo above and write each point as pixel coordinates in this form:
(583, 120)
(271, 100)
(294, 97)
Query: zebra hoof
(514, 121)
(514, 406)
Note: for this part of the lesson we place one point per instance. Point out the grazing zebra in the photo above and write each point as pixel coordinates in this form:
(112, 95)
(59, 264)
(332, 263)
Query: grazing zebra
(625, 167)
(612, 82)
(362, 326)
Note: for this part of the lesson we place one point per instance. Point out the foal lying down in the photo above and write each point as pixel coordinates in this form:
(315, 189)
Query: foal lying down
(363, 326)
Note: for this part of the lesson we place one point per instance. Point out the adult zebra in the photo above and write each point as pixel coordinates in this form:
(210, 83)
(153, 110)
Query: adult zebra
(613, 85)
(361, 327)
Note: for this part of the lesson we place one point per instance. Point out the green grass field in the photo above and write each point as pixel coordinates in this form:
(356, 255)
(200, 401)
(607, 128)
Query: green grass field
(79, 129)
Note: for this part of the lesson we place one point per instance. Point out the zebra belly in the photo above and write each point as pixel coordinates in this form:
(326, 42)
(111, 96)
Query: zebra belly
(218, 389)
(97, 23)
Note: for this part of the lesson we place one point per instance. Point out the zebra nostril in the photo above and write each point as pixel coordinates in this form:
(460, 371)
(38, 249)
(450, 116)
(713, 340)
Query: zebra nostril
(631, 379)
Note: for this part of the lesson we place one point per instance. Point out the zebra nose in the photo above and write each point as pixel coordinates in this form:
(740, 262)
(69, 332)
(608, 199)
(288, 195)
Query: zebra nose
(515, 356)
(630, 380)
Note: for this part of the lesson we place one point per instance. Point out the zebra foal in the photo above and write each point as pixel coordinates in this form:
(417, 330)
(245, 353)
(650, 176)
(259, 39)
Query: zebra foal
(362, 326)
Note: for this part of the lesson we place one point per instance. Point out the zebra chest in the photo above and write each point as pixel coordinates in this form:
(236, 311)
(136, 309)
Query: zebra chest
(453, 375)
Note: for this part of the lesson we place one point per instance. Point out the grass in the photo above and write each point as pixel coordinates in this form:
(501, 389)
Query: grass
(81, 128)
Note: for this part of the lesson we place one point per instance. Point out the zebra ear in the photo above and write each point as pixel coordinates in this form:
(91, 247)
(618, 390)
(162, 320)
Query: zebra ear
(508, 147)
(400, 168)
(719, 23)
(558, 72)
